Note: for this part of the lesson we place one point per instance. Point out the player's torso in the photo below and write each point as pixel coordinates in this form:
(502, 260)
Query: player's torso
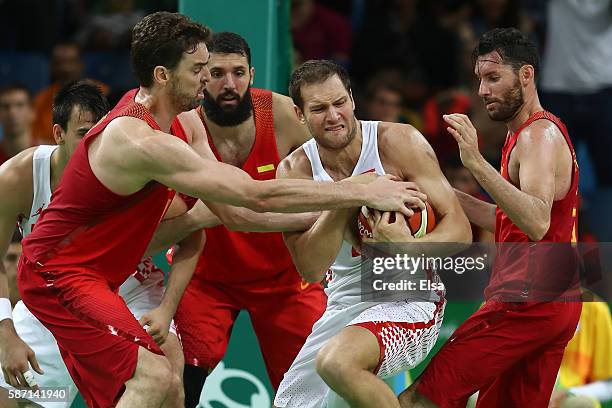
(563, 220)
(84, 213)
(521, 269)
(344, 277)
(240, 257)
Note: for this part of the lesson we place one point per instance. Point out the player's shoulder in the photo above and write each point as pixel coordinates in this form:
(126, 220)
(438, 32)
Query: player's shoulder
(541, 129)
(191, 124)
(401, 138)
(19, 165)
(295, 165)
(16, 175)
(286, 122)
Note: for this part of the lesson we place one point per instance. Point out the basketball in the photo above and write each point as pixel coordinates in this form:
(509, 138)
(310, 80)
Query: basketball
(421, 223)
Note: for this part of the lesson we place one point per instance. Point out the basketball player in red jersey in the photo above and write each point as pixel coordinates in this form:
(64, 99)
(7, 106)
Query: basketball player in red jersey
(511, 349)
(252, 129)
(110, 200)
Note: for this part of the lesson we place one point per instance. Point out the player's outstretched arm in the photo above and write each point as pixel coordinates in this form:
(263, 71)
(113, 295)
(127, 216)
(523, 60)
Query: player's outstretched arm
(15, 355)
(184, 263)
(172, 162)
(479, 212)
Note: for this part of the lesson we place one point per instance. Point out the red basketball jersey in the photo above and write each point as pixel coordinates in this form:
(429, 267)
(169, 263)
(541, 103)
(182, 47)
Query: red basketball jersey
(524, 267)
(241, 257)
(87, 225)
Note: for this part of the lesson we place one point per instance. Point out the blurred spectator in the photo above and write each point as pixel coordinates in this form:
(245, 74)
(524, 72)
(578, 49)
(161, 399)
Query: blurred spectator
(405, 37)
(489, 14)
(434, 127)
(11, 260)
(110, 30)
(320, 33)
(384, 101)
(577, 75)
(16, 117)
(585, 374)
(461, 179)
(66, 66)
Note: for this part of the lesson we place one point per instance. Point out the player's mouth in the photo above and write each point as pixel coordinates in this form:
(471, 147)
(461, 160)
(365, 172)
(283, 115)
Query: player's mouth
(336, 128)
(229, 99)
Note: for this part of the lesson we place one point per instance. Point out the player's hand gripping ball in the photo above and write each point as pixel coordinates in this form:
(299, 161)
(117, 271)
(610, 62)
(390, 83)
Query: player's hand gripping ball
(421, 223)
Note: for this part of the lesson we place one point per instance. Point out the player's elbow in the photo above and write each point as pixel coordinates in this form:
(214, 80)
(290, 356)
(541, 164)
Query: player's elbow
(311, 275)
(538, 229)
(308, 270)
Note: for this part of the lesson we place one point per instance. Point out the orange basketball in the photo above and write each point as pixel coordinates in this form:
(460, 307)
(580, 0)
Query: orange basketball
(421, 223)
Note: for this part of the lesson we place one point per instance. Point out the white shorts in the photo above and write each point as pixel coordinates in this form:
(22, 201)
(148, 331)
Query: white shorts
(140, 298)
(407, 331)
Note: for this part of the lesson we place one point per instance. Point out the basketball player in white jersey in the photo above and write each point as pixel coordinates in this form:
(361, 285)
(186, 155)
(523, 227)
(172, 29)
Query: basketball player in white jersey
(27, 182)
(357, 343)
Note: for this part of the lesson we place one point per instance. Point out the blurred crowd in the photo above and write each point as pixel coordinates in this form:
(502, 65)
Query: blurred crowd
(409, 60)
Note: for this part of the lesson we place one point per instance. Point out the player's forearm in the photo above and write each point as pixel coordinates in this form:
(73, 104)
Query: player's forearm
(315, 250)
(305, 195)
(243, 219)
(174, 230)
(478, 212)
(183, 265)
(4, 286)
(529, 213)
(6, 325)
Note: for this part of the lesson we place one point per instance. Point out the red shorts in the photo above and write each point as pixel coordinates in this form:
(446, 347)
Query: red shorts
(282, 318)
(97, 334)
(510, 352)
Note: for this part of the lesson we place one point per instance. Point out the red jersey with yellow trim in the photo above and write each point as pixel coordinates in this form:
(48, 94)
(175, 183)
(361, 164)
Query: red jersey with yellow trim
(87, 225)
(516, 266)
(241, 257)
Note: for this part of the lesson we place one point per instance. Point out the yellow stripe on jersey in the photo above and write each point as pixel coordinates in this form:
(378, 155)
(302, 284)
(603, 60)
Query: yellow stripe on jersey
(267, 167)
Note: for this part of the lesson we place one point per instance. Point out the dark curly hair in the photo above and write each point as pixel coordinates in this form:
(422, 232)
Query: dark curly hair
(512, 45)
(161, 39)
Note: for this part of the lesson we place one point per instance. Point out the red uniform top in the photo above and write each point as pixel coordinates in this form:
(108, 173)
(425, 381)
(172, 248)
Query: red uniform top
(527, 269)
(241, 257)
(89, 226)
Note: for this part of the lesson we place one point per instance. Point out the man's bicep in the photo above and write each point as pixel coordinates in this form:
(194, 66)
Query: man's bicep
(431, 181)
(178, 166)
(537, 169)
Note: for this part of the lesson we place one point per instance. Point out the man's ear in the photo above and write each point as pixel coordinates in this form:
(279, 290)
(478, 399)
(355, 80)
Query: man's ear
(161, 74)
(58, 134)
(526, 74)
(252, 75)
(299, 114)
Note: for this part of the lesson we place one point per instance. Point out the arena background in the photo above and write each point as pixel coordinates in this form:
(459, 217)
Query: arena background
(428, 74)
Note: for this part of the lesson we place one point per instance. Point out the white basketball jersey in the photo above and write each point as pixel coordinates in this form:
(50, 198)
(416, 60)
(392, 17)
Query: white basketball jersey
(41, 175)
(345, 284)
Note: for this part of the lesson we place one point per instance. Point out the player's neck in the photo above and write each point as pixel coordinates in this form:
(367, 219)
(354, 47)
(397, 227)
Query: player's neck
(340, 163)
(59, 160)
(531, 106)
(159, 105)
